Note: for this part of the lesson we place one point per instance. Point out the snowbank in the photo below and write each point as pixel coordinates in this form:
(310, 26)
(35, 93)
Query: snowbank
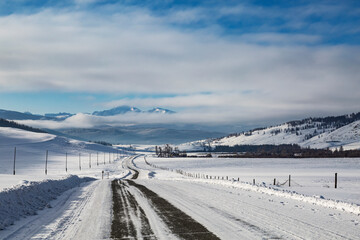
(29, 197)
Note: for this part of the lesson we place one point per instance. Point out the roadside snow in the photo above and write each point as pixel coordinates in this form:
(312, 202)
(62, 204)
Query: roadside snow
(26, 199)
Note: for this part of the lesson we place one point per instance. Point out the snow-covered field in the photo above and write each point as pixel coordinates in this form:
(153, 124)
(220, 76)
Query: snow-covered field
(311, 177)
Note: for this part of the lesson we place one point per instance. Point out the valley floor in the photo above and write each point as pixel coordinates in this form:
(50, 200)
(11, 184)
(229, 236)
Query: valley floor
(146, 202)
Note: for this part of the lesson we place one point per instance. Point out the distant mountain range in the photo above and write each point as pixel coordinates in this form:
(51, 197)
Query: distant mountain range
(134, 134)
(127, 109)
(327, 132)
(117, 111)
(13, 115)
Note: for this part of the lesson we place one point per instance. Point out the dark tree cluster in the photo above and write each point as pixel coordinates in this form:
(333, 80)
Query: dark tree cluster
(12, 124)
(102, 143)
(283, 151)
(327, 122)
(266, 148)
(168, 151)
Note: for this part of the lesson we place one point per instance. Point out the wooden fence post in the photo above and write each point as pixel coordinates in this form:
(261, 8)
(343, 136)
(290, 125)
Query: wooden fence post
(89, 160)
(254, 181)
(335, 180)
(289, 180)
(14, 161)
(46, 162)
(274, 181)
(66, 162)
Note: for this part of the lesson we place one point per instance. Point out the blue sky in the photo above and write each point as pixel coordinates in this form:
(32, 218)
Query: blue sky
(244, 60)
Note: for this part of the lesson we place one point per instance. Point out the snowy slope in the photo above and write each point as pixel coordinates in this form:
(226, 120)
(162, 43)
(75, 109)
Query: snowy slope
(13, 136)
(347, 136)
(314, 134)
(31, 150)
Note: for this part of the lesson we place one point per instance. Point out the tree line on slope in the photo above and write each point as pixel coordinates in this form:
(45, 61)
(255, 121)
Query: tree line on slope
(282, 151)
(12, 124)
(320, 124)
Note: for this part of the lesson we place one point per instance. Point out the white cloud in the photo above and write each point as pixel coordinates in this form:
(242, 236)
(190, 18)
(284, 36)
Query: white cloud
(134, 51)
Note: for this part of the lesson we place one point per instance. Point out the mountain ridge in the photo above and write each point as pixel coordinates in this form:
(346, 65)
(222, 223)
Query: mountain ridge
(15, 115)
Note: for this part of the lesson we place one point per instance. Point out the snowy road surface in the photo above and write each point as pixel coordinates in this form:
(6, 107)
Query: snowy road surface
(152, 203)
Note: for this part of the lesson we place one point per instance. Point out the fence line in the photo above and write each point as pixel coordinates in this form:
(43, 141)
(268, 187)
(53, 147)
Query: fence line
(16, 163)
(226, 178)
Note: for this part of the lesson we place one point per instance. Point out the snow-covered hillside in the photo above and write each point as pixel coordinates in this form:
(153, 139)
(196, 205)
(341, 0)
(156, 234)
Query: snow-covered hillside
(347, 136)
(313, 133)
(31, 150)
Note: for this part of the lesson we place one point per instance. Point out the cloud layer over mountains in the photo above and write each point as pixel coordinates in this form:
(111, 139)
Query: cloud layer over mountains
(299, 61)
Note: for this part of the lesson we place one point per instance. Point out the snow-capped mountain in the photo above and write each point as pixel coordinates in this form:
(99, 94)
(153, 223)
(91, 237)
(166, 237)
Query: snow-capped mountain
(116, 111)
(160, 110)
(60, 115)
(14, 115)
(329, 132)
(128, 109)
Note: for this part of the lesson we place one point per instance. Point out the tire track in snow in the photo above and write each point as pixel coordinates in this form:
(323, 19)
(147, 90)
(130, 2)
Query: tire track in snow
(129, 219)
(178, 222)
(126, 211)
